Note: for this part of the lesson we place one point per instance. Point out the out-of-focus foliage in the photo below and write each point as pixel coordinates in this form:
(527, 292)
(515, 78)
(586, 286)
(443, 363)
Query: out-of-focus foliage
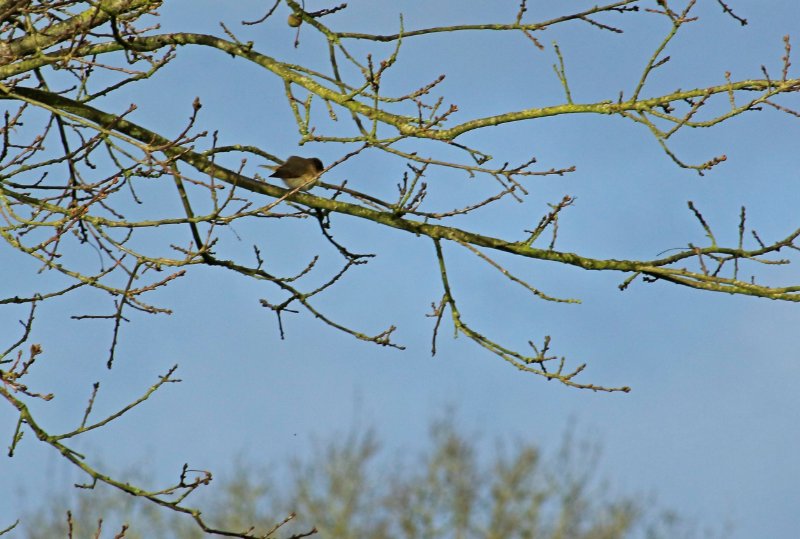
(352, 489)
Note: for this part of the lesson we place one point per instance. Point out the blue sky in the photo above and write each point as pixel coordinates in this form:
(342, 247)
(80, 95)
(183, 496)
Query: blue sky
(710, 426)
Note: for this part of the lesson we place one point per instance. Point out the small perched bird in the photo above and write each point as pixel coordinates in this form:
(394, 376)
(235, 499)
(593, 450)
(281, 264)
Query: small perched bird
(299, 172)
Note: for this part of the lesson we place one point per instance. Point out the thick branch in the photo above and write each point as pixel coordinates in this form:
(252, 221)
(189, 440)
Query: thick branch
(95, 16)
(407, 126)
(657, 268)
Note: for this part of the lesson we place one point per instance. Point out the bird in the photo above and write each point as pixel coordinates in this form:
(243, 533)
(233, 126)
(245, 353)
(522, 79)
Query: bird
(299, 172)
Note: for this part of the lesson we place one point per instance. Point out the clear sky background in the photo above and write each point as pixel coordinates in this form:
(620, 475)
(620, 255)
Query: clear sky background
(711, 426)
